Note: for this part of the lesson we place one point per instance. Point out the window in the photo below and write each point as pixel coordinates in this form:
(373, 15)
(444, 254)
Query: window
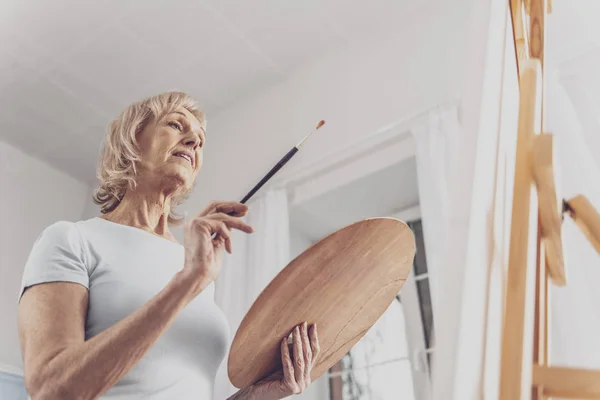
(424, 295)
(379, 366)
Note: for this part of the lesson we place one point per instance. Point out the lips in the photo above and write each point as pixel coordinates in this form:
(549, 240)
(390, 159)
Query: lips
(186, 156)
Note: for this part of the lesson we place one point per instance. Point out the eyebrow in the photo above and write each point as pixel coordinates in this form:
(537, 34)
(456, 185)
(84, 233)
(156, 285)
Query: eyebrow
(185, 116)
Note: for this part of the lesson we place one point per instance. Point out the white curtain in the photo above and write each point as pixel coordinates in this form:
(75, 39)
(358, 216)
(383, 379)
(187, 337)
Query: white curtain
(575, 308)
(438, 140)
(255, 261)
(443, 190)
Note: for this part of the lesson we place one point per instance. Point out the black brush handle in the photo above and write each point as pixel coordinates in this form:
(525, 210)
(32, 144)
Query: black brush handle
(270, 174)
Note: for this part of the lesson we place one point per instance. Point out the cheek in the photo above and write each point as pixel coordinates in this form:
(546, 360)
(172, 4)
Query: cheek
(150, 155)
(143, 143)
(154, 147)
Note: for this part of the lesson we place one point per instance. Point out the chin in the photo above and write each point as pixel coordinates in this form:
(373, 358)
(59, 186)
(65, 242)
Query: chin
(177, 181)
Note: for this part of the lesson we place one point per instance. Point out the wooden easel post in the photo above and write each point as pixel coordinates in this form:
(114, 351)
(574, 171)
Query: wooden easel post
(516, 360)
(519, 354)
(524, 343)
(525, 370)
(537, 34)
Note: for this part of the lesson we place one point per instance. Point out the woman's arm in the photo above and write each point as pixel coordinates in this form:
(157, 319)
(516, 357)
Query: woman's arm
(60, 364)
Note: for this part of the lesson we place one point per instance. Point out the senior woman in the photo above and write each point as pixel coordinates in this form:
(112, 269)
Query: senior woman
(114, 307)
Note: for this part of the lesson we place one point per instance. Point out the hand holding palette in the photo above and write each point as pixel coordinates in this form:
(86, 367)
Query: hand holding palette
(343, 283)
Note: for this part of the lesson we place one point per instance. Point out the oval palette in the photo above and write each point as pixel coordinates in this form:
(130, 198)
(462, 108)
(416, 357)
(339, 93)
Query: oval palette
(344, 283)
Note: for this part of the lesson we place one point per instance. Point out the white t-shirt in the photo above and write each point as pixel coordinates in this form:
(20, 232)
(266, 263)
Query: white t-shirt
(124, 267)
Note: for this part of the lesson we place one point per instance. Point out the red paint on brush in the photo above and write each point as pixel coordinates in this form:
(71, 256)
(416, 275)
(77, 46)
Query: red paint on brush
(321, 123)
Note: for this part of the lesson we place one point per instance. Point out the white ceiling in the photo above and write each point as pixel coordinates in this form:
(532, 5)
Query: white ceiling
(380, 194)
(69, 66)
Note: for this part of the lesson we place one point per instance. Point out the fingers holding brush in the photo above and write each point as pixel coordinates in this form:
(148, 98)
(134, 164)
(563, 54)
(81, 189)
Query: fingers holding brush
(222, 237)
(232, 222)
(205, 238)
(228, 216)
(232, 208)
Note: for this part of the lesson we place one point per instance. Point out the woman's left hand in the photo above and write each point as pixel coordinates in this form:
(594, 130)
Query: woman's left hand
(295, 376)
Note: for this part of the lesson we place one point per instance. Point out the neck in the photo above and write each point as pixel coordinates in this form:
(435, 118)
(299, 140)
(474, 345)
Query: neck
(144, 209)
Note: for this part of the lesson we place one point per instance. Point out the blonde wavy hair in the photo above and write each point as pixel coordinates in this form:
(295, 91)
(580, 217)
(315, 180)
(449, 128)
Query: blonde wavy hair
(119, 155)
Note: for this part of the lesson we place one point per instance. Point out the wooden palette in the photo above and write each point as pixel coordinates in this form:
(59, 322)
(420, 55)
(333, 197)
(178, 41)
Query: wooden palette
(344, 283)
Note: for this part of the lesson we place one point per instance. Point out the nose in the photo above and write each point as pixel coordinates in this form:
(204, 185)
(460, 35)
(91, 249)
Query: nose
(191, 140)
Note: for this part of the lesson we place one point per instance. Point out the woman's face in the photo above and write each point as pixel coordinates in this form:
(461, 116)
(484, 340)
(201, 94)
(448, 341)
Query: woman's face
(171, 150)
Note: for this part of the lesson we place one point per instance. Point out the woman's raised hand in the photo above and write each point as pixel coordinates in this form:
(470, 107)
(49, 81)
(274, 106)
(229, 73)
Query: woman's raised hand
(207, 234)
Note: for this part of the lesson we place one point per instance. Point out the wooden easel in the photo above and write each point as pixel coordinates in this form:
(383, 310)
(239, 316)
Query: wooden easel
(525, 371)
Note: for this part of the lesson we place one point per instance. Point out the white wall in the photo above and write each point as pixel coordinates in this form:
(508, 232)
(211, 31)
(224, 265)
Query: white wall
(358, 90)
(298, 243)
(473, 294)
(34, 195)
(90, 210)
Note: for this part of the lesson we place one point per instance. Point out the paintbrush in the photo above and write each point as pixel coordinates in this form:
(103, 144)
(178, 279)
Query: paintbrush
(279, 164)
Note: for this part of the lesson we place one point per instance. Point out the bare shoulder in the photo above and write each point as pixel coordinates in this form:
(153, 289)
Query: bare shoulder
(51, 317)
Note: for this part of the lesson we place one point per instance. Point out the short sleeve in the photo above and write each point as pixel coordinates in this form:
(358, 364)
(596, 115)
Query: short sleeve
(56, 256)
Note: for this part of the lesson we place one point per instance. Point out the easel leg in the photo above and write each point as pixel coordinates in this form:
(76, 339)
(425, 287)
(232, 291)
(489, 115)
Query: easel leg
(540, 330)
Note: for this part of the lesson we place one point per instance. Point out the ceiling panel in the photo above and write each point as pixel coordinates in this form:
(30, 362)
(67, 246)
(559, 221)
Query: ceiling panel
(13, 74)
(52, 29)
(258, 14)
(94, 134)
(229, 74)
(220, 78)
(120, 64)
(53, 103)
(356, 19)
(182, 32)
(14, 48)
(88, 90)
(288, 49)
(285, 31)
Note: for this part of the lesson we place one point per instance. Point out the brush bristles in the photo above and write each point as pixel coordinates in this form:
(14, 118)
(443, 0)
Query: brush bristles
(321, 123)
